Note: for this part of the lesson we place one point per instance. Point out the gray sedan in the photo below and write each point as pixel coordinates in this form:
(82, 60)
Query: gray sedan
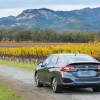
(68, 70)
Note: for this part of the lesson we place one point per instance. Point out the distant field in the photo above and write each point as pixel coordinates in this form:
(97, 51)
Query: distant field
(30, 44)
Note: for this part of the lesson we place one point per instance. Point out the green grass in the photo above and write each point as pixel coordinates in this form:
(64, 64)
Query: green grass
(19, 65)
(7, 94)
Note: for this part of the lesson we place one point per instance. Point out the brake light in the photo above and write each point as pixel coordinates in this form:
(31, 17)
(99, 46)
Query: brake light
(69, 68)
(98, 68)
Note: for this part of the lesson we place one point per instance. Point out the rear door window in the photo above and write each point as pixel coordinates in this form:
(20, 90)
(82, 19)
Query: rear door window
(47, 61)
(60, 60)
(53, 60)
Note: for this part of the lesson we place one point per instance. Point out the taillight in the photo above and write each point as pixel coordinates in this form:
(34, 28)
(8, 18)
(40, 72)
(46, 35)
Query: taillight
(98, 68)
(69, 68)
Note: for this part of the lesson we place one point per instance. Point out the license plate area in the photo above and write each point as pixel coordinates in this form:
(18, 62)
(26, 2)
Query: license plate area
(86, 73)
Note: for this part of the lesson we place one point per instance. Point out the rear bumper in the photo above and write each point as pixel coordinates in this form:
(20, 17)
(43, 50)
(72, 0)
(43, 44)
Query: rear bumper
(80, 83)
(73, 84)
(69, 79)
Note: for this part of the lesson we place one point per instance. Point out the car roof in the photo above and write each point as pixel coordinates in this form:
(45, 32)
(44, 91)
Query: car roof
(70, 54)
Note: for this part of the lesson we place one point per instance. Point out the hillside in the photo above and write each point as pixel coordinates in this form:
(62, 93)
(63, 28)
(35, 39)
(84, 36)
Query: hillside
(86, 19)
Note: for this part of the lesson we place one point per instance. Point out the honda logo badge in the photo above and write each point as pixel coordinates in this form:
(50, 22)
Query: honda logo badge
(86, 67)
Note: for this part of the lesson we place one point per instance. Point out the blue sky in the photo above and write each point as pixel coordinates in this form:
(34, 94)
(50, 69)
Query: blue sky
(14, 7)
(27, 3)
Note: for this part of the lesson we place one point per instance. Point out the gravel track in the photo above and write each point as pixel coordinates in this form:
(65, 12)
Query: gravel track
(22, 81)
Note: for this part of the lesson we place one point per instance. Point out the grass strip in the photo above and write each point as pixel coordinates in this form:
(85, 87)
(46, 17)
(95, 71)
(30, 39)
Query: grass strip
(29, 67)
(7, 94)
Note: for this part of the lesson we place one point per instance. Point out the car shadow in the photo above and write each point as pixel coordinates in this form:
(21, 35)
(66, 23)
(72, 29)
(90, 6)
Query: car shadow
(78, 90)
(85, 91)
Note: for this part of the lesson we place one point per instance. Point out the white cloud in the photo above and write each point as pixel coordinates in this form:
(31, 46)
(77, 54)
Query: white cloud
(8, 12)
(70, 7)
(16, 11)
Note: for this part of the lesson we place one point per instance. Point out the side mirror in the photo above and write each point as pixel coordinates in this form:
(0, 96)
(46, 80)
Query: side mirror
(40, 63)
(44, 65)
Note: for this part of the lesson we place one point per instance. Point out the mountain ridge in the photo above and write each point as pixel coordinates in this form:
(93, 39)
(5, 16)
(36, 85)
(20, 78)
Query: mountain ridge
(87, 19)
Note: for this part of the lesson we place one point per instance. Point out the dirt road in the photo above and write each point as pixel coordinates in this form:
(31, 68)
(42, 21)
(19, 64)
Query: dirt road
(22, 81)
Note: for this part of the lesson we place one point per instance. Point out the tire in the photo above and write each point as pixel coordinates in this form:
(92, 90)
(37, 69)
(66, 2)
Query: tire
(96, 89)
(55, 87)
(37, 82)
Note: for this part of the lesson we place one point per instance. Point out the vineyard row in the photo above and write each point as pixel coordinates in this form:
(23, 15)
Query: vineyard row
(32, 54)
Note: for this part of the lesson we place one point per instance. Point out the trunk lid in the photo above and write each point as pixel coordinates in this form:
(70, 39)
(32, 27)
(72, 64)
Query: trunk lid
(86, 69)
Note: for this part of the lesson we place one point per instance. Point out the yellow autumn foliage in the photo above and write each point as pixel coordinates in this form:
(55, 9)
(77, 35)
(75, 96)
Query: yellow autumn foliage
(92, 49)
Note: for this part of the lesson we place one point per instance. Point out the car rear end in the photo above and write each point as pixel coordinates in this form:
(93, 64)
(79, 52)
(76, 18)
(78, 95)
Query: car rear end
(83, 74)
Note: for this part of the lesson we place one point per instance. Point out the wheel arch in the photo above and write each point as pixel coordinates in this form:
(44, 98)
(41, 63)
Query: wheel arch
(35, 73)
(58, 79)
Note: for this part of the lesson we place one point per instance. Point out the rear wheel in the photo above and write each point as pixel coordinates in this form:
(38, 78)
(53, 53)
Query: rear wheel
(96, 89)
(55, 87)
(37, 82)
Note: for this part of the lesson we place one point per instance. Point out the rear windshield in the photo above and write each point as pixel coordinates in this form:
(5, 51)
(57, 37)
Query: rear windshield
(78, 58)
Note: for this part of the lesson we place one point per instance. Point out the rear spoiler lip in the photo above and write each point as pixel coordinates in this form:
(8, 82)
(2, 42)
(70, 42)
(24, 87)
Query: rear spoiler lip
(84, 63)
